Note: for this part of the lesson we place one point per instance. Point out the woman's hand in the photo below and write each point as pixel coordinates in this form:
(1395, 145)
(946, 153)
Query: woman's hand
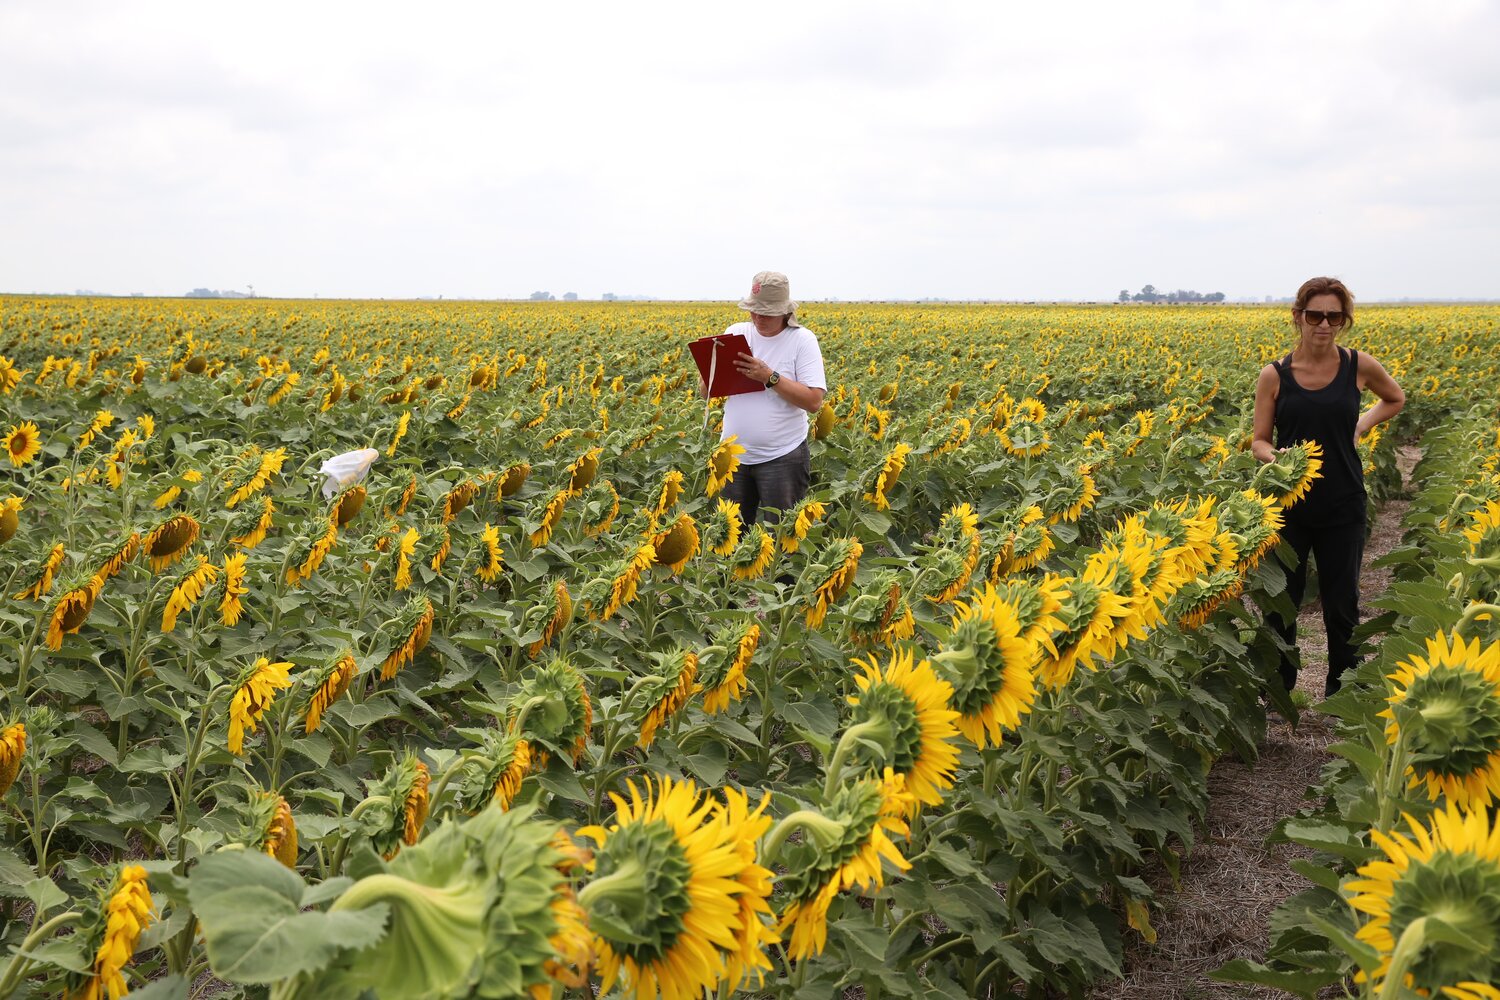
(752, 367)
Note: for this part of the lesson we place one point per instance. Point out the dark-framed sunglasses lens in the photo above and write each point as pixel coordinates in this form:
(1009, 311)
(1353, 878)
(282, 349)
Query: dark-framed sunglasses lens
(1316, 316)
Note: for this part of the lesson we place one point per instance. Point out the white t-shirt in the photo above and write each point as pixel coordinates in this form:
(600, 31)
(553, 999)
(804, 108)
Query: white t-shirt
(766, 425)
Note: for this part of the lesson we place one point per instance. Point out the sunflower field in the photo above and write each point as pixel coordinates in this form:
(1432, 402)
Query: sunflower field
(411, 650)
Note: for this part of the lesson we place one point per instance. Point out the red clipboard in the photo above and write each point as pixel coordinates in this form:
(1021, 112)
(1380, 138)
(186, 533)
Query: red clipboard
(715, 357)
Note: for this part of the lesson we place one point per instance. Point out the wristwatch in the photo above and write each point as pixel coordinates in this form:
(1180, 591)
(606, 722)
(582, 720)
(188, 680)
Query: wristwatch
(773, 379)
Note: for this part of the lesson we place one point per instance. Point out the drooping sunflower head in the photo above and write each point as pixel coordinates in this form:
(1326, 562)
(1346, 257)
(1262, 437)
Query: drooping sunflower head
(270, 828)
(549, 516)
(721, 667)
(825, 423)
(1446, 705)
(887, 476)
(12, 749)
(1088, 614)
(1201, 596)
(903, 707)
(188, 589)
(617, 587)
(677, 544)
(397, 806)
(953, 553)
(399, 496)
(1036, 604)
(116, 558)
(879, 613)
(1483, 534)
(549, 616)
(328, 685)
(1448, 869)
(667, 496)
(601, 505)
(254, 690)
(111, 930)
(721, 533)
(853, 842)
(832, 574)
(251, 524)
(754, 553)
(799, 521)
(493, 771)
(347, 505)
(22, 443)
(458, 498)
(491, 555)
(1075, 494)
(1292, 474)
(1029, 543)
(666, 902)
(1024, 436)
(723, 462)
(10, 517)
(39, 579)
(665, 690)
(1254, 521)
(559, 713)
(989, 664)
(309, 549)
(169, 541)
(408, 634)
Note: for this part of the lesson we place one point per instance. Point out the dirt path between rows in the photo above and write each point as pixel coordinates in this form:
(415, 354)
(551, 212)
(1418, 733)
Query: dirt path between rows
(1232, 881)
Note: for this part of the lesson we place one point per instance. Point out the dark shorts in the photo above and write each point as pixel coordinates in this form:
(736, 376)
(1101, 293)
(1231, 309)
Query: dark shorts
(771, 487)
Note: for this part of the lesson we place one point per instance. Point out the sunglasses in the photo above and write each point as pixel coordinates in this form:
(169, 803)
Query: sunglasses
(1315, 317)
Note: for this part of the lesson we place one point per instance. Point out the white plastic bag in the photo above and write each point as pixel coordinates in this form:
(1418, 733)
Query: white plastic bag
(343, 471)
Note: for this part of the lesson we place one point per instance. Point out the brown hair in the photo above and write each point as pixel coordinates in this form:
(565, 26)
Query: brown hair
(1326, 286)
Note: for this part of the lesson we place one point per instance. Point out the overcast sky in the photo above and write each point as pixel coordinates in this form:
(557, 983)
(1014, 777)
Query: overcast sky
(869, 150)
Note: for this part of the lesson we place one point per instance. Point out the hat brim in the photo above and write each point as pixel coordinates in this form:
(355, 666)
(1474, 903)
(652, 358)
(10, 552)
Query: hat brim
(786, 308)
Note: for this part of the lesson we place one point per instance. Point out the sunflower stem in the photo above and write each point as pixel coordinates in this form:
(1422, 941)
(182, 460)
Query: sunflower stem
(1408, 950)
(853, 735)
(16, 970)
(823, 830)
(623, 886)
(1473, 611)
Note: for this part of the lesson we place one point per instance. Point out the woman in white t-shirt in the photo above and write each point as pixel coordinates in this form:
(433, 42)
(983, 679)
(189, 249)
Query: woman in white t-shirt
(772, 426)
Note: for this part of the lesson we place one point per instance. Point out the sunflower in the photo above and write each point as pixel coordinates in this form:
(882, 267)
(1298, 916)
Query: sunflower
(22, 443)
(676, 545)
(328, 687)
(722, 666)
(625, 579)
(12, 749)
(551, 616)
(1447, 706)
(1120, 567)
(1036, 604)
(956, 546)
(1144, 421)
(404, 551)
(314, 550)
(41, 579)
(668, 900)
(904, 707)
(10, 520)
(231, 606)
(493, 773)
(1254, 521)
(1306, 461)
(888, 476)
(404, 495)
(97, 426)
(266, 468)
(722, 532)
(169, 541)
(667, 690)
(113, 934)
(549, 517)
(254, 691)
(555, 711)
(1088, 615)
(862, 816)
(442, 549)
(723, 463)
(413, 627)
(69, 611)
(799, 521)
(10, 375)
(492, 557)
(666, 497)
(1023, 436)
(116, 560)
(989, 664)
(608, 503)
(753, 555)
(169, 496)
(877, 421)
(957, 435)
(583, 469)
(880, 613)
(188, 591)
(1077, 494)
(400, 432)
(458, 498)
(826, 421)
(249, 527)
(1448, 870)
(1484, 534)
(1201, 596)
(1028, 545)
(347, 505)
(277, 827)
(834, 572)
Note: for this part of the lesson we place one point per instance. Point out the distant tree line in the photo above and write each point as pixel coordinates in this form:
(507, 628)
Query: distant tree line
(1148, 293)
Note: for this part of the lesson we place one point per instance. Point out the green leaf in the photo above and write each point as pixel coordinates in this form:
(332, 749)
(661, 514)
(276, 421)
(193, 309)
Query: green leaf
(1328, 837)
(1303, 982)
(1368, 761)
(14, 873)
(44, 893)
(248, 905)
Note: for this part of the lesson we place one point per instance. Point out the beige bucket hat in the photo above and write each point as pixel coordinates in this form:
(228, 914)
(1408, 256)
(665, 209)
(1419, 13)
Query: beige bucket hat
(771, 295)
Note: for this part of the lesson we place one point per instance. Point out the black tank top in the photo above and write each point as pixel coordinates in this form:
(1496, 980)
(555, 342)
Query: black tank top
(1327, 416)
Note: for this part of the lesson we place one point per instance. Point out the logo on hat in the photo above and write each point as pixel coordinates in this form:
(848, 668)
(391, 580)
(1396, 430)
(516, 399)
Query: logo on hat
(755, 288)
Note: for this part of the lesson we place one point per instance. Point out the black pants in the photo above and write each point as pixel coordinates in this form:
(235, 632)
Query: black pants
(779, 483)
(1338, 549)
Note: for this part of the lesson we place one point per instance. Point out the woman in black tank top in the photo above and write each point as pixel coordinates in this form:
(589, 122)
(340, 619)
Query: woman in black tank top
(1313, 394)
